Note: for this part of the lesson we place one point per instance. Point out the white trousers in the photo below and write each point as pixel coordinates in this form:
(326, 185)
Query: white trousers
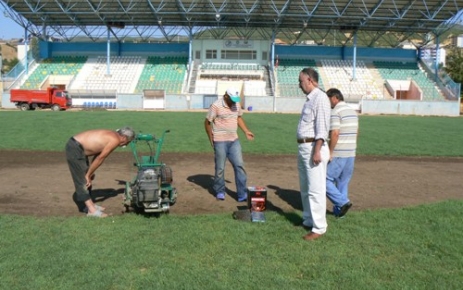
(312, 182)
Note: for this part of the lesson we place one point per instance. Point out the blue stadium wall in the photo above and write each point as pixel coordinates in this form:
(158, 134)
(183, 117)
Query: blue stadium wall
(345, 53)
(50, 49)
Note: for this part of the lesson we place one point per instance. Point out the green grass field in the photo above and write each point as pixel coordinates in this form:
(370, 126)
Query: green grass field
(274, 133)
(410, 248)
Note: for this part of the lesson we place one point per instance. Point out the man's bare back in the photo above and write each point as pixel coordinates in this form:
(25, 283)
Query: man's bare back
(99, 143)
(96, 141)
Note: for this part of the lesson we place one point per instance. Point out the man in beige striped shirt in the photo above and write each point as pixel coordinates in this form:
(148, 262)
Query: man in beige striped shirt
(221, 124)
(343, 144)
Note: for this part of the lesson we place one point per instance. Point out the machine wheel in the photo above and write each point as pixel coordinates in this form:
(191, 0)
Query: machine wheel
(166, 174)
(173, 196)
(127, 208)
(55, 107)
(127, 197)
(138, 210)
(24, 107)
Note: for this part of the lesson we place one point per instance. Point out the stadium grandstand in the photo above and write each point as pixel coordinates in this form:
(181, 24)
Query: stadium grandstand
(182, 55)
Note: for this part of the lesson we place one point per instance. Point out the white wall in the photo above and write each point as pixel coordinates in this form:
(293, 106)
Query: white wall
(22, 51)
(410, 107)
(208, 44)
(458, 41)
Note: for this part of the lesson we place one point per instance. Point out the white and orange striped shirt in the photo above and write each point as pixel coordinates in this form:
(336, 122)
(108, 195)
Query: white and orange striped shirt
(345, 119)
(224, 120)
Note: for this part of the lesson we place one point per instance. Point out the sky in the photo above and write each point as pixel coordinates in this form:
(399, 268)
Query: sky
(10, 29)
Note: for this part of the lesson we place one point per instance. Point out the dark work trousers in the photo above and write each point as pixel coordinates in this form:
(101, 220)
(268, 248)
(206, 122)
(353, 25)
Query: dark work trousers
(78, 165)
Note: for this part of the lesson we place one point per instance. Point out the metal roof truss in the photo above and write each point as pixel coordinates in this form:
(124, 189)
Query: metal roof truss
(326, 22)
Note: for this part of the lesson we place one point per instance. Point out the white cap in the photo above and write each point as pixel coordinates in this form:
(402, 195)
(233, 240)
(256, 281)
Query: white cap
(234, 95)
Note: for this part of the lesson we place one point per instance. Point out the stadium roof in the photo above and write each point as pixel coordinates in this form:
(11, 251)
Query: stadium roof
(294, 21)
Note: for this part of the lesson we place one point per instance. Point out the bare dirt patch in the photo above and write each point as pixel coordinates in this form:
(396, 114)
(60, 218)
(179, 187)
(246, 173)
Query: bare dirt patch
(39, 183)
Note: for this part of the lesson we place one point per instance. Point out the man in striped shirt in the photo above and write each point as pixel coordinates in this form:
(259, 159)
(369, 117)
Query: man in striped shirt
(343, 144)
(221, 124)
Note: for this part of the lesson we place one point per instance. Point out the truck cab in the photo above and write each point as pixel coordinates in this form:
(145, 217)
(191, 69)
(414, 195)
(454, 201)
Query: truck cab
(62, 99)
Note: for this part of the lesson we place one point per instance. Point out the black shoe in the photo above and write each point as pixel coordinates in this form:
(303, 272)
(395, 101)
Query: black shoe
(344, 209)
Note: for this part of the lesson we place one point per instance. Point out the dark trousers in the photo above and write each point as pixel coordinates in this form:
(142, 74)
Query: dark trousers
(78, 165)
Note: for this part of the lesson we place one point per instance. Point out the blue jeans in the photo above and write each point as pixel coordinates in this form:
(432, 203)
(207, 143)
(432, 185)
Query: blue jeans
(338, 175)
(230, 150)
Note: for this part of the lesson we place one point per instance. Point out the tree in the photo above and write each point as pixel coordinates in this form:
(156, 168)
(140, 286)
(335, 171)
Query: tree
(34, 48)
(9, 64)
(455, 66)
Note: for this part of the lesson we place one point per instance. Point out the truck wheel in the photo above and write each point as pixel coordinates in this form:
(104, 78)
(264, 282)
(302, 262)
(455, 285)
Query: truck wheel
(55, 107)
(24, 107)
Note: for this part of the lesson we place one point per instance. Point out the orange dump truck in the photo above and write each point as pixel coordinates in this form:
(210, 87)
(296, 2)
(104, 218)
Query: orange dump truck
(53, 98)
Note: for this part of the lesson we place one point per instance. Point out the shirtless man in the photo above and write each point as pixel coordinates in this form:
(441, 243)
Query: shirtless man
(98, 143)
